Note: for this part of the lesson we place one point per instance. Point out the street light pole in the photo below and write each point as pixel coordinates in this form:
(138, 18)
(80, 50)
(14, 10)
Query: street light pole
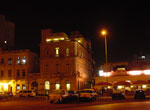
(104, 34)
(106, 51)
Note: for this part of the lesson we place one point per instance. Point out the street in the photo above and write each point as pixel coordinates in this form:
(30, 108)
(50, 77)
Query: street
(40, 103)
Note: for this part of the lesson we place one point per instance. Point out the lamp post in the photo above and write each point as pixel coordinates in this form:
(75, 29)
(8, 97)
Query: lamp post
(104, 33)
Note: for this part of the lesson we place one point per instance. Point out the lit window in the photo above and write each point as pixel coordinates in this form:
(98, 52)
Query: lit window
(24, 87)
(144, 86)
(24, 60)
(57, 86)
(5, 85)
(68, 86)
(9, 61)
(57, 51)
(18, 87)
(18, 60)
(67, 51)
(47, 85)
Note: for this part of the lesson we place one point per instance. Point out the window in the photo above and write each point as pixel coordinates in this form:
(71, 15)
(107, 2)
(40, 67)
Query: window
(46, 51)
(18, 60)
(9, 73)
(24, 87)
(23, 73)
(18, 87)
(67, 51)
(57, 86)
(57, 51)
(68, 67)
(2, 73)
(47, 85)
(57, 68)
(24, 60)
(2, 61)
(68, 85)
(9, 61)
(18, 73)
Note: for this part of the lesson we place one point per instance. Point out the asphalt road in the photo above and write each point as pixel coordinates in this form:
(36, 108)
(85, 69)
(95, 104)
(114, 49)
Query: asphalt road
(117, 106)
(101, 104)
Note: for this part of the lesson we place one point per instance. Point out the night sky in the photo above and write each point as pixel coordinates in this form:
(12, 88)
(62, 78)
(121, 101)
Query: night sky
(128, 25)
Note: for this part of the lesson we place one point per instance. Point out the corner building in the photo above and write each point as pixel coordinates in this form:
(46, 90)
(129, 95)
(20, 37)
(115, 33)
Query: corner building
(15, 66)
(65, 62)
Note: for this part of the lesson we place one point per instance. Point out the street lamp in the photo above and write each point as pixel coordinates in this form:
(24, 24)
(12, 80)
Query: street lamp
(104, 33)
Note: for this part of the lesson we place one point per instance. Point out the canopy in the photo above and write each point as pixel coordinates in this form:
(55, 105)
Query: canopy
(140, 82)
(122, 83)
(103, 84)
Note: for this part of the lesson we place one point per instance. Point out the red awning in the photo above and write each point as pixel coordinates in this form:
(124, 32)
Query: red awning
(122, 83)
(140, 82)
(103, 83)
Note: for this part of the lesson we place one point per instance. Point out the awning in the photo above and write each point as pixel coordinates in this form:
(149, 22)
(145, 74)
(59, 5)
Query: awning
(122, 83)
(140, 82)
(103, 84)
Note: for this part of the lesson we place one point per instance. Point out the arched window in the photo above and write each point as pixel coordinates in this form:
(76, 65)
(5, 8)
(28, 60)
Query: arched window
(47, 85)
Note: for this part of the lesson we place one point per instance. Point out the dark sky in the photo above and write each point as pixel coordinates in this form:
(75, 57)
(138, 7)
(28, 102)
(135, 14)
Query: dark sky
(128, 25)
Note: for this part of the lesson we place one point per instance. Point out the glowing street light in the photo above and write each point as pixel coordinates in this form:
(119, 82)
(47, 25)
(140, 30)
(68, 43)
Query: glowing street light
(104, 33)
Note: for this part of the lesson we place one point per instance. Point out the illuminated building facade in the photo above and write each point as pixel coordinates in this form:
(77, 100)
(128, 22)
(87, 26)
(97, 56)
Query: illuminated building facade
(65, 62)
(126, 76)
(15, 66)
(7, 33)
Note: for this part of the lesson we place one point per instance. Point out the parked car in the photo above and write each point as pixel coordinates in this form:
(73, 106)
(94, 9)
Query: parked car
(24, 93)
(88, 94)
(139, 94)
(61, 96)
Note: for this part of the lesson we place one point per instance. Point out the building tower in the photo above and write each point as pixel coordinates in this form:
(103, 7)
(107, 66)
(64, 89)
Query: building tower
(7, 31)
(65, 62)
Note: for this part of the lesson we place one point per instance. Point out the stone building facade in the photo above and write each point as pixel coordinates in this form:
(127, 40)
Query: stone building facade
(7, 33)
(65, 62)
(15, 66)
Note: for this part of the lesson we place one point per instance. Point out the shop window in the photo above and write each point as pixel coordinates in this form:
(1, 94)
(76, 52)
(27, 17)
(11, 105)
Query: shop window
(47, 85)
(23, 87)
(24, 60)
(18, 87)
(57, 51)
(10, 61)
(23, 73)
(67, 51)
